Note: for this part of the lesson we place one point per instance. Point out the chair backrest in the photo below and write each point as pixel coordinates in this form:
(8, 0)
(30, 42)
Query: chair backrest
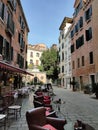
(37, 104)
(36, 116)
(39, 98)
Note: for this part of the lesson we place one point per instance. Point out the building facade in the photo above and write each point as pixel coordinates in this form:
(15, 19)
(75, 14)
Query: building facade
(13, 39)
(84, 46)
(65, 53)
(34, 53)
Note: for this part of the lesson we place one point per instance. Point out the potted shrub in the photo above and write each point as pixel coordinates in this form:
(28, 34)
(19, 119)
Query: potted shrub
(95, 89)
(87, 89)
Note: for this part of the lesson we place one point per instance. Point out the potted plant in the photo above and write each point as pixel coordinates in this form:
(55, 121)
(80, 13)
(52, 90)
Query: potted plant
(95, 89)
(87, 89)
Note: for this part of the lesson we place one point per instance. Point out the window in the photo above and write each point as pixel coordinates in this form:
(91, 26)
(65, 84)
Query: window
(62, 69)
(7, 51)
(72, 48)
(37, 54)
(78, 62)
(20, 39)
(10, 24)
(81, 22)
(62, 36)
(65, 56)
(62, 56)
(31, 61)
(62, 45)
(72, 33)
(78, 8)
(88, 13)
(31, 54)
(91, 57)
(59, 40)
(2, 10)
(11, 53)
(82, 60)
(88, 34)
(73, 64)
(76, 28)
(79, 42)
(12, 4)
(1, 44)
(21, 22)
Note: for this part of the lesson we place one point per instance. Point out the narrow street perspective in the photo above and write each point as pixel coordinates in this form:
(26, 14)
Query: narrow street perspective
(49, 65)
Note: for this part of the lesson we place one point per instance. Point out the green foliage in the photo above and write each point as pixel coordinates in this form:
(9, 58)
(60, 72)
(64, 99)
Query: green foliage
(49, 62)
(30, 66)
(41, 68)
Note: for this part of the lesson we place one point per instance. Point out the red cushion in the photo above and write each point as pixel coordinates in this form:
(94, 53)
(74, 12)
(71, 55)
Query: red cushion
(48, 108)
(47, 113)
(46, 97)
(39, 93)
(50, 127)
(47, 101)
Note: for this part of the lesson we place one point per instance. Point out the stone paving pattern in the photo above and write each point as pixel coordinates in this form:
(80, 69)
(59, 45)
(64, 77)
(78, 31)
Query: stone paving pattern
(77, 105)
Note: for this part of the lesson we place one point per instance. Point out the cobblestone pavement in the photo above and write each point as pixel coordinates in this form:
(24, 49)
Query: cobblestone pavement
(75, 105)
(78, 105)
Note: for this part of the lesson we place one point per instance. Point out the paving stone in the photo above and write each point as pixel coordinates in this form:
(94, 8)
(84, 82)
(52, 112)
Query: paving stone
(77, 106)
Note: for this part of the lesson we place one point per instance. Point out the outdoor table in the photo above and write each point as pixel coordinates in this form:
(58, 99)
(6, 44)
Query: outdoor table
(16, 109)
(3, 120)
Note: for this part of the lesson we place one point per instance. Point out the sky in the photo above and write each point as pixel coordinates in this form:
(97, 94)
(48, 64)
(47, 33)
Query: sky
(44, 18)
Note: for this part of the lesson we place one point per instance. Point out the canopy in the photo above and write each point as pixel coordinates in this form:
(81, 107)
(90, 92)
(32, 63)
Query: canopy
(13, 68)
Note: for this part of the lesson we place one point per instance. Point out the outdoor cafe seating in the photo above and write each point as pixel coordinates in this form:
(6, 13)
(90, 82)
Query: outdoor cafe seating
(49, 110)
(37, 120)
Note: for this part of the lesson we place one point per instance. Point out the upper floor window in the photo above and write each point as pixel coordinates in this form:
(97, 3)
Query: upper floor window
(37, 54)
(12, 4)
(72, 48)
(76, 28)
(62, 69)
(1, 44)
(62, 45)
(88, 13)
(81, 22)
(59, 40)
(21, 22)
(88, 34)
(2, 10)
(79, 42)
(78, 62)
(77, 9)
(73, 64)
(62, 36)
(31, 61)
(72, 33)
(62, 56)
(82, 61)
(91, 57)
(31, 54)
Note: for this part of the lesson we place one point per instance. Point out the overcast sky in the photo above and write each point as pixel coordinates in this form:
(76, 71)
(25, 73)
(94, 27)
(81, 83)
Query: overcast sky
(44, 18)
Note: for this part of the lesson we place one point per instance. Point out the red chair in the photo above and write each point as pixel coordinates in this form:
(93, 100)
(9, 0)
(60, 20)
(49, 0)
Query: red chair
(49, 110)
(42, 99)
(37, 120)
